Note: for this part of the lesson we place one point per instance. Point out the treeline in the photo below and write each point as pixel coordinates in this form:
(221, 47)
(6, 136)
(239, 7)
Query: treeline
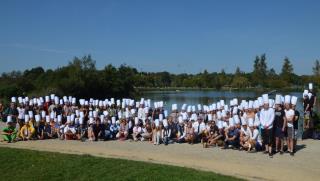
(81, 78)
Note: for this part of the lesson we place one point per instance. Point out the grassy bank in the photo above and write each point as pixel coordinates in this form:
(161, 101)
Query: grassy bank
(20, 164)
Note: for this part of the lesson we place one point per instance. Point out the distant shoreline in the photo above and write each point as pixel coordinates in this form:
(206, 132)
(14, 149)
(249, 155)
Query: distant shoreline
(288, 89)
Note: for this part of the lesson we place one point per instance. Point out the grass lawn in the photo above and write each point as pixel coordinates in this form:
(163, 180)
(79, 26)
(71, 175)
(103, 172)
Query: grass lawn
(20, 164)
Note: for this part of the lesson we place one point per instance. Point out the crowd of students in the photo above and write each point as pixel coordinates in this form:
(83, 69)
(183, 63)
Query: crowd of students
(255, 125)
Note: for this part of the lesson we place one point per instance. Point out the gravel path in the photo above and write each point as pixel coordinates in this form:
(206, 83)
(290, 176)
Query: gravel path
(305, 165)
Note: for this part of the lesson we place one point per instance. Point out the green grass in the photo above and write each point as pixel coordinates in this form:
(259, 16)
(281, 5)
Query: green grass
(20, 164)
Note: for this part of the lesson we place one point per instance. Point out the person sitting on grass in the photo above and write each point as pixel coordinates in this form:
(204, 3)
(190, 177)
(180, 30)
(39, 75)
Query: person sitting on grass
(190, 135)
(99, 129)
(146, 134)
(156, 132)
(231, 136)
(137, 130)
(10, 132)
(82, 130)
(69, 130)
(123, 130)
(244, 134)
(91, 135)
(166, 133)
(213, 137)
(181, 133)
(114, 128)
(27, 131)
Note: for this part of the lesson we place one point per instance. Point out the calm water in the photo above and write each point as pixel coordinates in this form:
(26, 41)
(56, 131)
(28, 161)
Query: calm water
(208, 97)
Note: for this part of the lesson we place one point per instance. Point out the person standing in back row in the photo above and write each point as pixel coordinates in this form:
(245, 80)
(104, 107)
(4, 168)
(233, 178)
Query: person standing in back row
(290, 118)
(312, 98)
(279, 124)
(266, 120)
(295, 121)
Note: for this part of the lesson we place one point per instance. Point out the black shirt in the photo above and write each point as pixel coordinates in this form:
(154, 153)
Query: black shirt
(312, 99)
(278, 119)
(306, 102)
(295, 122)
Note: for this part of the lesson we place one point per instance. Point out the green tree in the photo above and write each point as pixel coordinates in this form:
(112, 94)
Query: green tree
(287, 70)
(316, 68)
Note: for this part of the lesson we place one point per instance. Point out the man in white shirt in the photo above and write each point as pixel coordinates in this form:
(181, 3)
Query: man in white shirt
(290, 118)
(266, 121)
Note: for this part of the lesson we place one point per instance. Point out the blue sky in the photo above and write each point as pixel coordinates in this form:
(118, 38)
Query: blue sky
(165, 35)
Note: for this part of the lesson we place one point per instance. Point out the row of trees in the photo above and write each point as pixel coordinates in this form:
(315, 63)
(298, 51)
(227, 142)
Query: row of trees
(81, 78)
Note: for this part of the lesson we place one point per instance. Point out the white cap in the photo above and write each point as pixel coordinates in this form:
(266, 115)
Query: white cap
(142, 101)
(161, 104)
(305, 93)
(184, 106)
(174, 107)
(214, 107)
(199, 107)
(310, 86)
(235, 101)
(81, 101)
(218, 105)
(221, 103)
(13, 99)
(294, 100)
(287, 99)
(74, 100)
(56, 100)
(20, 100)
(47, 98)
(193, 108)
(265, 99)
(9, 119)
(189, 109)
(278, 99)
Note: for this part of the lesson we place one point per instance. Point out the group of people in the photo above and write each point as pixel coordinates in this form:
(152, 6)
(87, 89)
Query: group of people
(263, 124)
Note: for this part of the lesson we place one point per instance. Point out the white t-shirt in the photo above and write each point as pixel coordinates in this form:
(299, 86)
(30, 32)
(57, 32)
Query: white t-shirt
(289, 115)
